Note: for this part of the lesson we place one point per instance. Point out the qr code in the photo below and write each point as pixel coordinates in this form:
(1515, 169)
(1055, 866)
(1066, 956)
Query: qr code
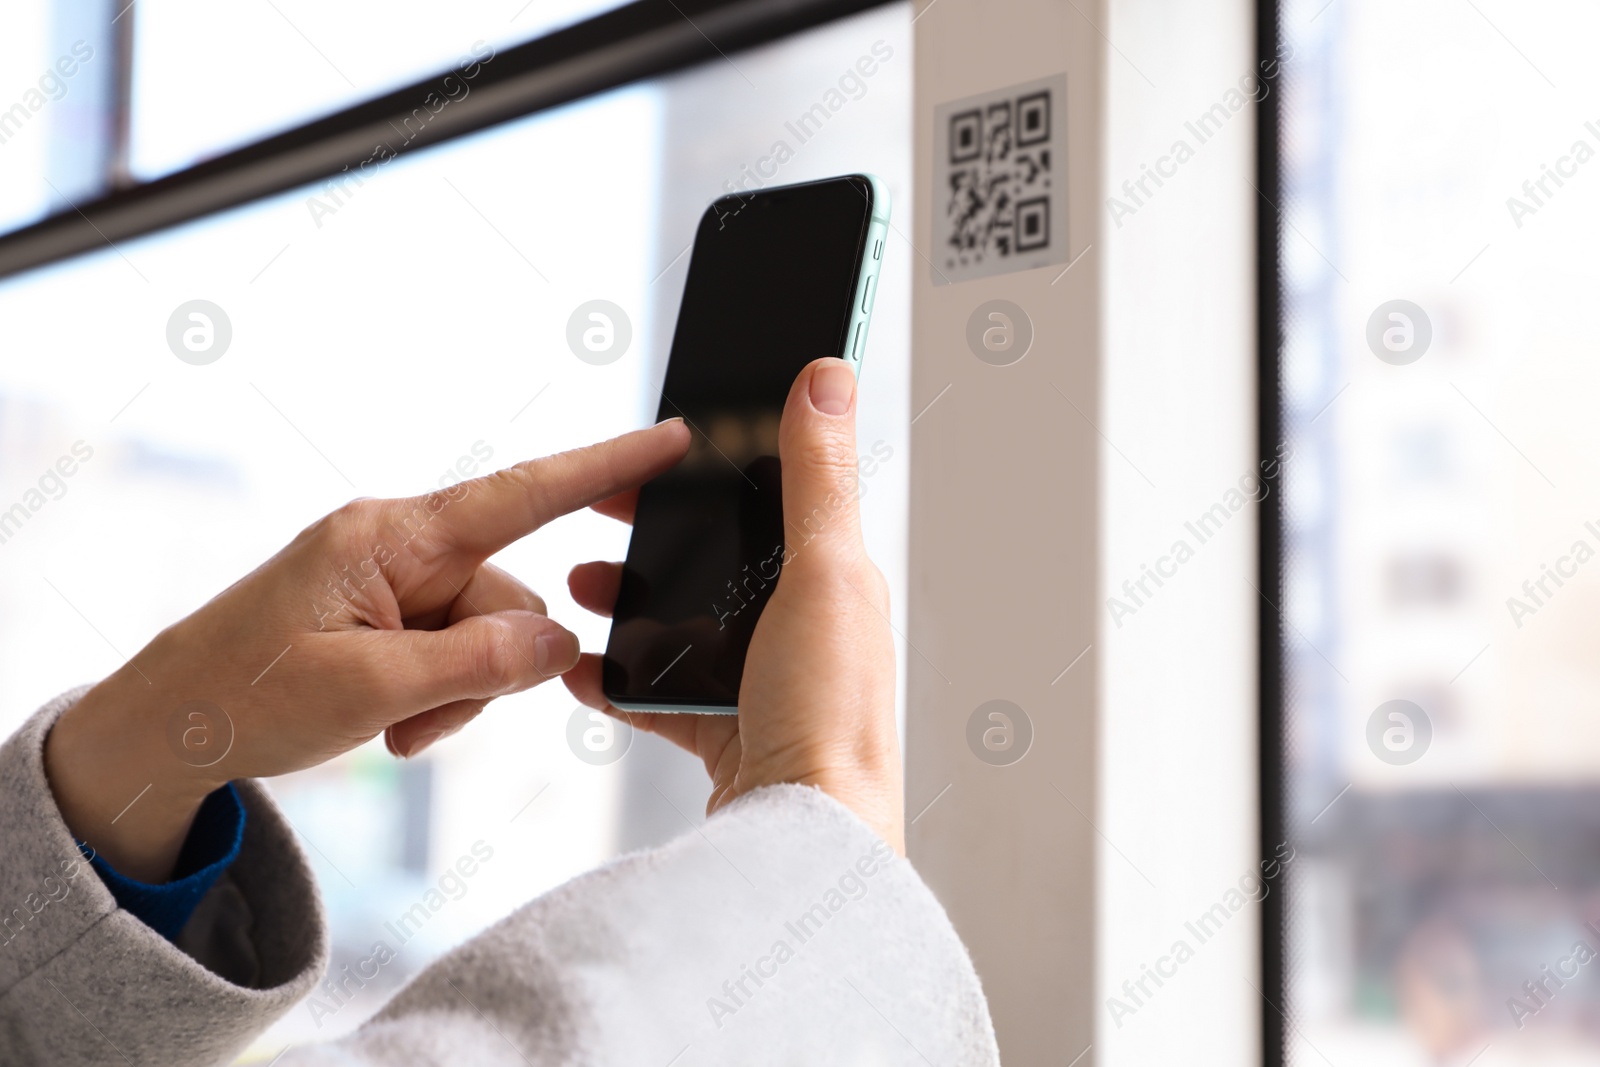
(1000, 182)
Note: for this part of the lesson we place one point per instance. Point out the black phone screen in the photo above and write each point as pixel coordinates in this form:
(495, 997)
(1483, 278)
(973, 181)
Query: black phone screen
(771, 287)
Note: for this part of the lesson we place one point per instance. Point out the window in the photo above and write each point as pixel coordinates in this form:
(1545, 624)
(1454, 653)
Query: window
(1440, 768)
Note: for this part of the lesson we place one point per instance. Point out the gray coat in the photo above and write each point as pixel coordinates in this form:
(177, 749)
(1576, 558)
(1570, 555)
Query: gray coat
(784, 931)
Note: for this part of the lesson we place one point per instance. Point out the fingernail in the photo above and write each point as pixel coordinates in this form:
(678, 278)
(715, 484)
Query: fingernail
(422, 742)
(555, 652)
(675, 418)
(833, 385)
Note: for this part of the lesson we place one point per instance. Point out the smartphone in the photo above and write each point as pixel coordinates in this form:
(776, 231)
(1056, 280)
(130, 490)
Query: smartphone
(777, 278)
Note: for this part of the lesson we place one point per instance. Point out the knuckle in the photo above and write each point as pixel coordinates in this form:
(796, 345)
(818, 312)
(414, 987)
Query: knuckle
(493, 660)
(341, 524)
(357, 514)
(831, 453)
(523, 481)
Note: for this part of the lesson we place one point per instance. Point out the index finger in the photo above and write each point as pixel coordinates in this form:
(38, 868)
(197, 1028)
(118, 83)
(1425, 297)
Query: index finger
(497, 509)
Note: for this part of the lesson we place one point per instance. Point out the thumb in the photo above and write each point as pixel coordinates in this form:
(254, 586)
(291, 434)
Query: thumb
(817, 447)
(476, 658)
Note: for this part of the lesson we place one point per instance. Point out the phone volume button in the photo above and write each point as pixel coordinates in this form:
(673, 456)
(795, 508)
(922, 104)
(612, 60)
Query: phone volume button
(866, 294)
(855, 349)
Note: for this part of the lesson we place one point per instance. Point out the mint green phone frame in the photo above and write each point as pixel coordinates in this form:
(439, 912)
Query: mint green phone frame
(871, 260)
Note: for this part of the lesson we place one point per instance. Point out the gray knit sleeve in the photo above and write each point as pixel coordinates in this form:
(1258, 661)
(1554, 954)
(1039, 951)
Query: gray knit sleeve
(84, 982)
(782, 932)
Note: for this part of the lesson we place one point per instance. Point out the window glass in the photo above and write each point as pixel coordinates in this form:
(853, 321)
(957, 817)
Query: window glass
(1440, 595)
(54, 109)
(210, 77)
(382, 335)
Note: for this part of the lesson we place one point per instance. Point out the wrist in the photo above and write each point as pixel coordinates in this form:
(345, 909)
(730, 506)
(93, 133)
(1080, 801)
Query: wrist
(119, 785)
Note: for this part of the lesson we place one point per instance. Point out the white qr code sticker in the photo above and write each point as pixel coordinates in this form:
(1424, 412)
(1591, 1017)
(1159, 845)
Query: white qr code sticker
(1000, 181)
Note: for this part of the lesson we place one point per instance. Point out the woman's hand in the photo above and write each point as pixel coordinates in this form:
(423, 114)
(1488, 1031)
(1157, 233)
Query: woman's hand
(816, 703)
(381, 617)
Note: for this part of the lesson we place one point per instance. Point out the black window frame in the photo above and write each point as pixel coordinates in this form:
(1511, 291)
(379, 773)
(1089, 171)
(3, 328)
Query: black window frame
(1273, 828)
